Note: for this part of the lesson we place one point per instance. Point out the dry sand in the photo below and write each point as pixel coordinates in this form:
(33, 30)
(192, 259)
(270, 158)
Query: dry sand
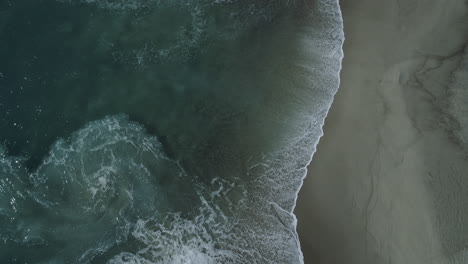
(389, 181)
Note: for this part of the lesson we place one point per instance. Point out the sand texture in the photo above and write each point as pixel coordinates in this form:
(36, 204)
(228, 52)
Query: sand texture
(389, 181)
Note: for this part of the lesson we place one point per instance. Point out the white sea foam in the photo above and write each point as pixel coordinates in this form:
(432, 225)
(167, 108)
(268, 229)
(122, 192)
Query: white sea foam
(177, 240)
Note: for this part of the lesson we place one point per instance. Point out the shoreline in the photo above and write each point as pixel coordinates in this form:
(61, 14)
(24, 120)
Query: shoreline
(374, 187)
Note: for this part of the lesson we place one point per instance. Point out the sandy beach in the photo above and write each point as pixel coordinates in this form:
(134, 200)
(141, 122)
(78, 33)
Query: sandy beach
(389, 180)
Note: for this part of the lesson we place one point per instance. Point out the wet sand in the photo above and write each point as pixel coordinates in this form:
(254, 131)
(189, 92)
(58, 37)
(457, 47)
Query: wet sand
(389, 180)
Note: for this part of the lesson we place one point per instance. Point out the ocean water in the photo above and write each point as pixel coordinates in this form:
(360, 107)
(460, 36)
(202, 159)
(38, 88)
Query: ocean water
(152, 131)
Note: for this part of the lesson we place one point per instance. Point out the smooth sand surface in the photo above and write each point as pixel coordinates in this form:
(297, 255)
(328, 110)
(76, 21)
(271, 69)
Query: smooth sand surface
(389, 180)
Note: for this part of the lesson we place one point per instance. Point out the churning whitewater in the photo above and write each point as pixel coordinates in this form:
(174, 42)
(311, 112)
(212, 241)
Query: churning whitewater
(155, 131)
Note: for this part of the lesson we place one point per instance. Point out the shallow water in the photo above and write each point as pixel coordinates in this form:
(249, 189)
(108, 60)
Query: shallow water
(154, 131)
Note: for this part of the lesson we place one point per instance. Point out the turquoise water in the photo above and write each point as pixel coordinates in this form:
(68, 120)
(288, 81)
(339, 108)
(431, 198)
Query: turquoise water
(152, 131)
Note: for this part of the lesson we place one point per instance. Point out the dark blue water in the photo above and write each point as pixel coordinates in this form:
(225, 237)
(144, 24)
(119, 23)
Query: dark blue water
(159, 131)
